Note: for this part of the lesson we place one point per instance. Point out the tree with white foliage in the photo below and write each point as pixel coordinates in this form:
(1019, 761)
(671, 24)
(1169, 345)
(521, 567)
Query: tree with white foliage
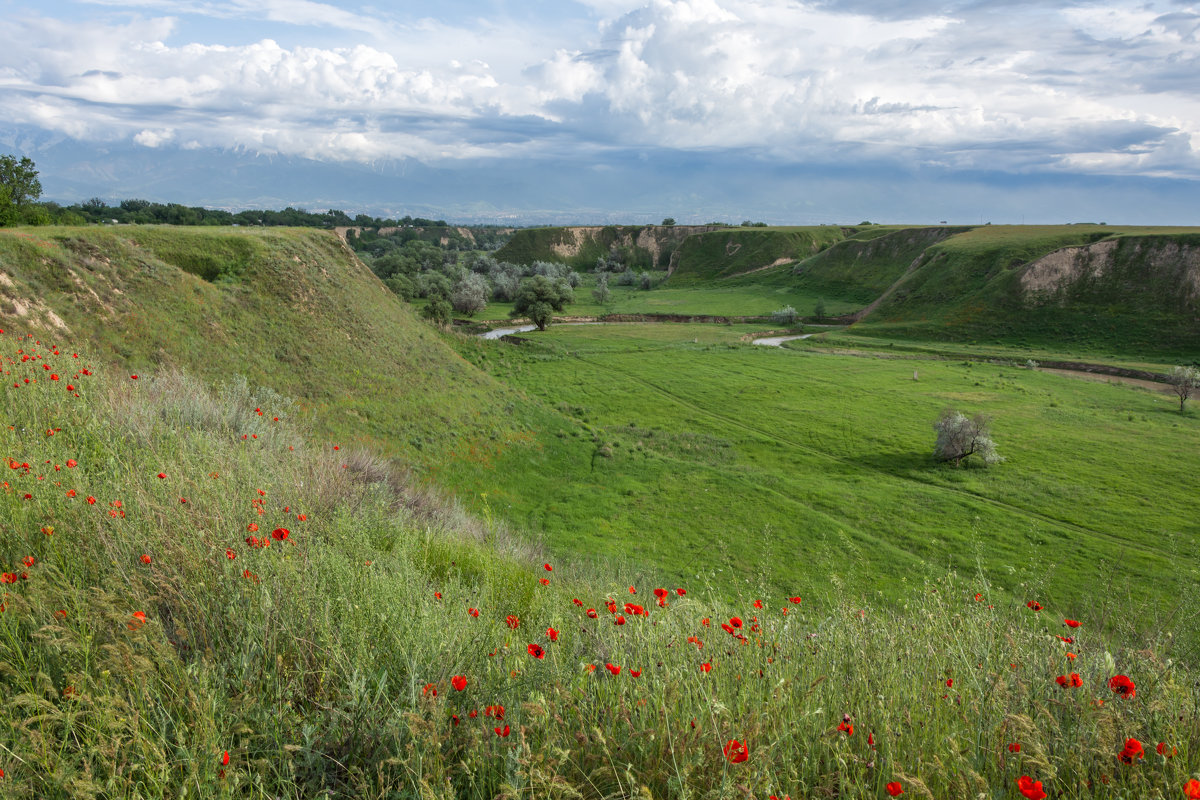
(960, 436)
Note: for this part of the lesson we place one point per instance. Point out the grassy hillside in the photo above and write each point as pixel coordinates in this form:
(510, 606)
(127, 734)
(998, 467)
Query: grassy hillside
(729, 252)
(982, 285)
(287, 308)
(199, 601)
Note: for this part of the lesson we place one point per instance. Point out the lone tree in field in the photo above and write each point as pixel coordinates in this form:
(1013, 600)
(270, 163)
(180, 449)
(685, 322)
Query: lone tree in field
(602, 294)
(19, 188)
(539, 297)
(960, 436)
(1183, 380)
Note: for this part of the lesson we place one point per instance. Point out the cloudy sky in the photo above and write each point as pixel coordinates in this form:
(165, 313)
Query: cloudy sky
(895, 110)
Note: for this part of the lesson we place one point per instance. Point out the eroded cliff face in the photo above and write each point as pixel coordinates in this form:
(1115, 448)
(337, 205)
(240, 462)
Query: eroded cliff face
(1158, 265)
(651, 246)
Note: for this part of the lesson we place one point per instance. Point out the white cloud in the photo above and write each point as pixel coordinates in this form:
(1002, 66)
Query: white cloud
(1094, 88)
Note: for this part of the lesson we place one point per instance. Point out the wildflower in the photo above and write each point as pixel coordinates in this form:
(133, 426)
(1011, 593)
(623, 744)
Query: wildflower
(1034, 604)
(133, 377)
(544, 581)
(735, 622)
(1030, 788)
(1162, 750)
(437, 595)
(1192, 790)
(1122, 685)
(620, 620)
(1132, 748)
(552, 634)
(547, 567)
(758, 603)
(474, 612)
(162, 475)
(794, 600)
(459, 682)
(847, 727)
(894, 789)
(591, 612)
(706, 667)
(736, 751)
(279, 534)
(496, 711)
(635, 673)
(501, 732)
(681, 592)
(613, 669)
(1071, 623)
(145, 558)
(230, 555)
(252, 527)
(950, 683)
(225, 759)
(1015, 747)
(71, 462)
(632, 590)
(430, 689)
(512, 621)
(978, 597)
(577, 601)
(536, 651)
(28, 561)
(91, 500)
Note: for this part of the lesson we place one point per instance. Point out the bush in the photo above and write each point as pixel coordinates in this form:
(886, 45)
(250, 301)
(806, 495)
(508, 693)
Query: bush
(470, 294)
(784, 316)
(437, 311)
(539, 297)
(959, 437)
(602, 294)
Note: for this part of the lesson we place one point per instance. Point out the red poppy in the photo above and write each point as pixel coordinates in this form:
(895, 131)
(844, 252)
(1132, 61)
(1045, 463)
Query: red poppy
(225, 759)
(758, 603)
(544, 581)
(1015, 747)
(501, 732)
(459, 682)
(1034, 604)
(794, 600)
(71, 462)
(735, 622)
(512, 621)
(474, 612)
(145, 559)
(430, 688)
(28, 561)
(494, 711)
(591, 612)
(894, 789)
(1030, 788)
(577, 601)
(681, 592)
(133, 377)
(950, 683)
(536, 651)
(632, 590)
(706, 667)
(635, 673)
(1122, 685)
(1133, 748)
(437, 595)
(613, 668)
(279, 534)
(552, 634)
(1071, 623)
(1192, 790)
(736, 751)
(230, 555)
(91, 500)
(620, 620)
(1162, 750)
(847, 727)
(162, 474)
(660, 593)
(547, 567)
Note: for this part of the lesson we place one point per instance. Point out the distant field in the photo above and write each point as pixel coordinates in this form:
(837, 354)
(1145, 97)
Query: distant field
(777, 467)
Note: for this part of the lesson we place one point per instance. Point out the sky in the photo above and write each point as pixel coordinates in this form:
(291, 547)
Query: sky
(611, 110)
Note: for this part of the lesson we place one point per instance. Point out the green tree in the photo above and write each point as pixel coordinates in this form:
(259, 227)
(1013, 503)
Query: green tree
(1183, 381)
(19, 188)
(668, 222)
(539, 297)
(438, 310)
(602, 294)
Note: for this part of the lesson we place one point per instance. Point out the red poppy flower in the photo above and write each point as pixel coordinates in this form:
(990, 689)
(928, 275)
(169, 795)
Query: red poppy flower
(474, 612)
(28, 561)
(794, 600)
(279, 534)
(544, 581)
(847, 727)
(632, 590)
(1030, 788)
(494, 711)
(635, 673)
(1122, 685)
(225, 759)
(620, 620)
(512, 621)
(230, 555)
(437, 595)
(1133, 748)
(736, 751)
(613, 668)
(162, 474)
(145, 558)
(1034, 604)
(133, 377)
(894, 789)
(430, 688)
(681, 592)
(660, 593)
(577, 601)
(1071, 623)
(950, 683)
(71, 462)
(547, 567)
(1192, 790)
(91, 500)
(1161, 749)
(735, 622)
(706, 667)
(252, 527)
(536, 651)
(758, 603)
(1015, 747)
(459, 682)
(552, 634)
(591, 612)
(501, 732)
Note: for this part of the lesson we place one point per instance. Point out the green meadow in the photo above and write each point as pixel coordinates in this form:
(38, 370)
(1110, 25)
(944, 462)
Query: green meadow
(751, 466)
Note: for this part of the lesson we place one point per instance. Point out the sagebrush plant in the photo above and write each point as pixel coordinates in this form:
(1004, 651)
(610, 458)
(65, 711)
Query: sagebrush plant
(199, 601)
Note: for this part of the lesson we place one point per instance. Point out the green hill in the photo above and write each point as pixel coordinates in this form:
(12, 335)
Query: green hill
(731, 252)
(291, 309)
(642, 247)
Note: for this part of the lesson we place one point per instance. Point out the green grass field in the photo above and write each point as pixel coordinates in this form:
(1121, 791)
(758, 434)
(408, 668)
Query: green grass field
(829, 460)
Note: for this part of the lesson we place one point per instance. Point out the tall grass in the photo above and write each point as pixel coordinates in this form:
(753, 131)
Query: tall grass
(323, 663)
